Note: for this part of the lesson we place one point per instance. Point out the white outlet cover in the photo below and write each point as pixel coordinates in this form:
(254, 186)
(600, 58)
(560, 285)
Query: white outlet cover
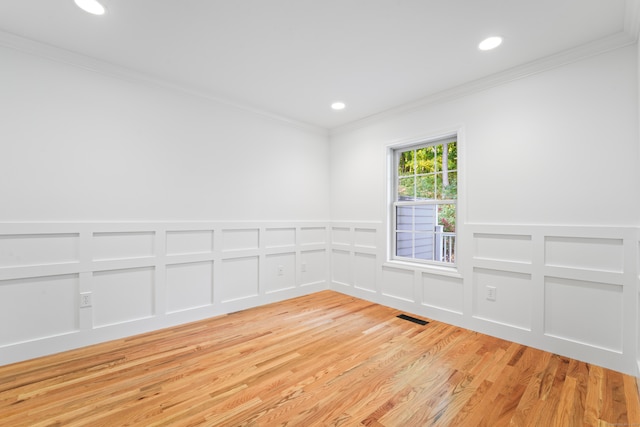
(85, 299)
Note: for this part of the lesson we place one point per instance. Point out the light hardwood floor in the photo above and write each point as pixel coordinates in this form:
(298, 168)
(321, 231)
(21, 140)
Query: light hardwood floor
(320, 360)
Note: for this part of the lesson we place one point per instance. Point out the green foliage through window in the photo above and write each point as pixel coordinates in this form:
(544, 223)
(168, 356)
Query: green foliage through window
(429, 173)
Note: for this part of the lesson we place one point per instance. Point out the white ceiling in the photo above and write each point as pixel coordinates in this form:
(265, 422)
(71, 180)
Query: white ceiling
(292, 58)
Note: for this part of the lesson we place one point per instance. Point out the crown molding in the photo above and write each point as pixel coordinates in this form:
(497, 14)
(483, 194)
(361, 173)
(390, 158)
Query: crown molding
(64, 56)
(632, 18)
(584, 51)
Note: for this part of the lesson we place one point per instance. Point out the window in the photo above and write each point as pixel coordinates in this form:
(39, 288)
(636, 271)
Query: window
(425, 192)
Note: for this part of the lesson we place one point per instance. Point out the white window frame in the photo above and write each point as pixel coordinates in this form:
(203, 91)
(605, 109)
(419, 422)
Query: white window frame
(393, 151)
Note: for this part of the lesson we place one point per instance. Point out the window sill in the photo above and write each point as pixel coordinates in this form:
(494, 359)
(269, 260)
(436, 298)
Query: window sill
(425, 268)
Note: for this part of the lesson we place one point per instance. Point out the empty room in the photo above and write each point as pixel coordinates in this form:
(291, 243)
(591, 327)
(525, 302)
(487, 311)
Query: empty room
(319, 212)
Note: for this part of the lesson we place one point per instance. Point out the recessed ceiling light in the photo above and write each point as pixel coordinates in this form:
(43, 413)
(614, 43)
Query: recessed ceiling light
(91, 6)
(338, 105)
(490, 43)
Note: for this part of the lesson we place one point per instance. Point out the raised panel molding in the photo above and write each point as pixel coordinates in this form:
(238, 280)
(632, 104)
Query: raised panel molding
(341, 236)
(145, 275)
(38, 307)
(280, 237)
(513, 294)
(398, 283)
(366, 237)
(313, 236)
(313, 267)
(242, 277)
(280, 272)
(185, 271)
(186, 242)
(121, 296)
(123, 245)
(20, 250)
(589, 313)
(503, 247)
(364, 268)
(538, 272)
(443, 293)
(189, 286)
(601, 254)
(240, 239)
(341, 267)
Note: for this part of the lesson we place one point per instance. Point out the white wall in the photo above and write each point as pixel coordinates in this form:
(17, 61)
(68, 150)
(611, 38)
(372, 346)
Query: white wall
(163, 206)
(79, 145)
(561, 138)
(548, 210)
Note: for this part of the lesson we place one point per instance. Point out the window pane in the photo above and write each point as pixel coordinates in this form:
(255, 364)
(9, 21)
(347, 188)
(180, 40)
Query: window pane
(425, 187)
(425, 160)
(404, 217)
(406, 163)
(425, 217)
(404, 244)
(447, 218)
(452, 156)
(438, 186)
(438, 153)
(450, 188)
(424, 248)
(406, 190)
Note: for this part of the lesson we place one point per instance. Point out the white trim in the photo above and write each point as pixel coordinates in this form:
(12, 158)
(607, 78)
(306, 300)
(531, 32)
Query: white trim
(54, 53)
(606, 44)
(436, 269)
(80, 259)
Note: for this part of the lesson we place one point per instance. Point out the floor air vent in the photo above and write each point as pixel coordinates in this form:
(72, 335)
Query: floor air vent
(412, 319)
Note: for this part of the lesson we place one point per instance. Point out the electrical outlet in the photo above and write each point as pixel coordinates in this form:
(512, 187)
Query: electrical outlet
(491, 293)
(281, 270)
(303, 267)
(85, 299)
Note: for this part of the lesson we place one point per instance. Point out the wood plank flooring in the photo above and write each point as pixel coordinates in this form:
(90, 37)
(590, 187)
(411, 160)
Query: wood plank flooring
(320, 360)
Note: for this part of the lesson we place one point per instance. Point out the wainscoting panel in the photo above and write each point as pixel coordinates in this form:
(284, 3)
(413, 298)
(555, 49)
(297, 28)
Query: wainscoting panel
(313, 267)
(242, 278)
(570, 290)
(503, 247)
(111, 246)
(280, 237)
(189, 242)
(121, 296)
(585, 253)
(512, 304)
(443, 293)
(341, 236)
(189, 286)
(38, 249)
(240, 239)
(38, 307)
(398, 283)
(313, 236)
(281, 272)
(366, 237)
(341, 267)
(67, 285)
(573, 311)
(364, 272)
